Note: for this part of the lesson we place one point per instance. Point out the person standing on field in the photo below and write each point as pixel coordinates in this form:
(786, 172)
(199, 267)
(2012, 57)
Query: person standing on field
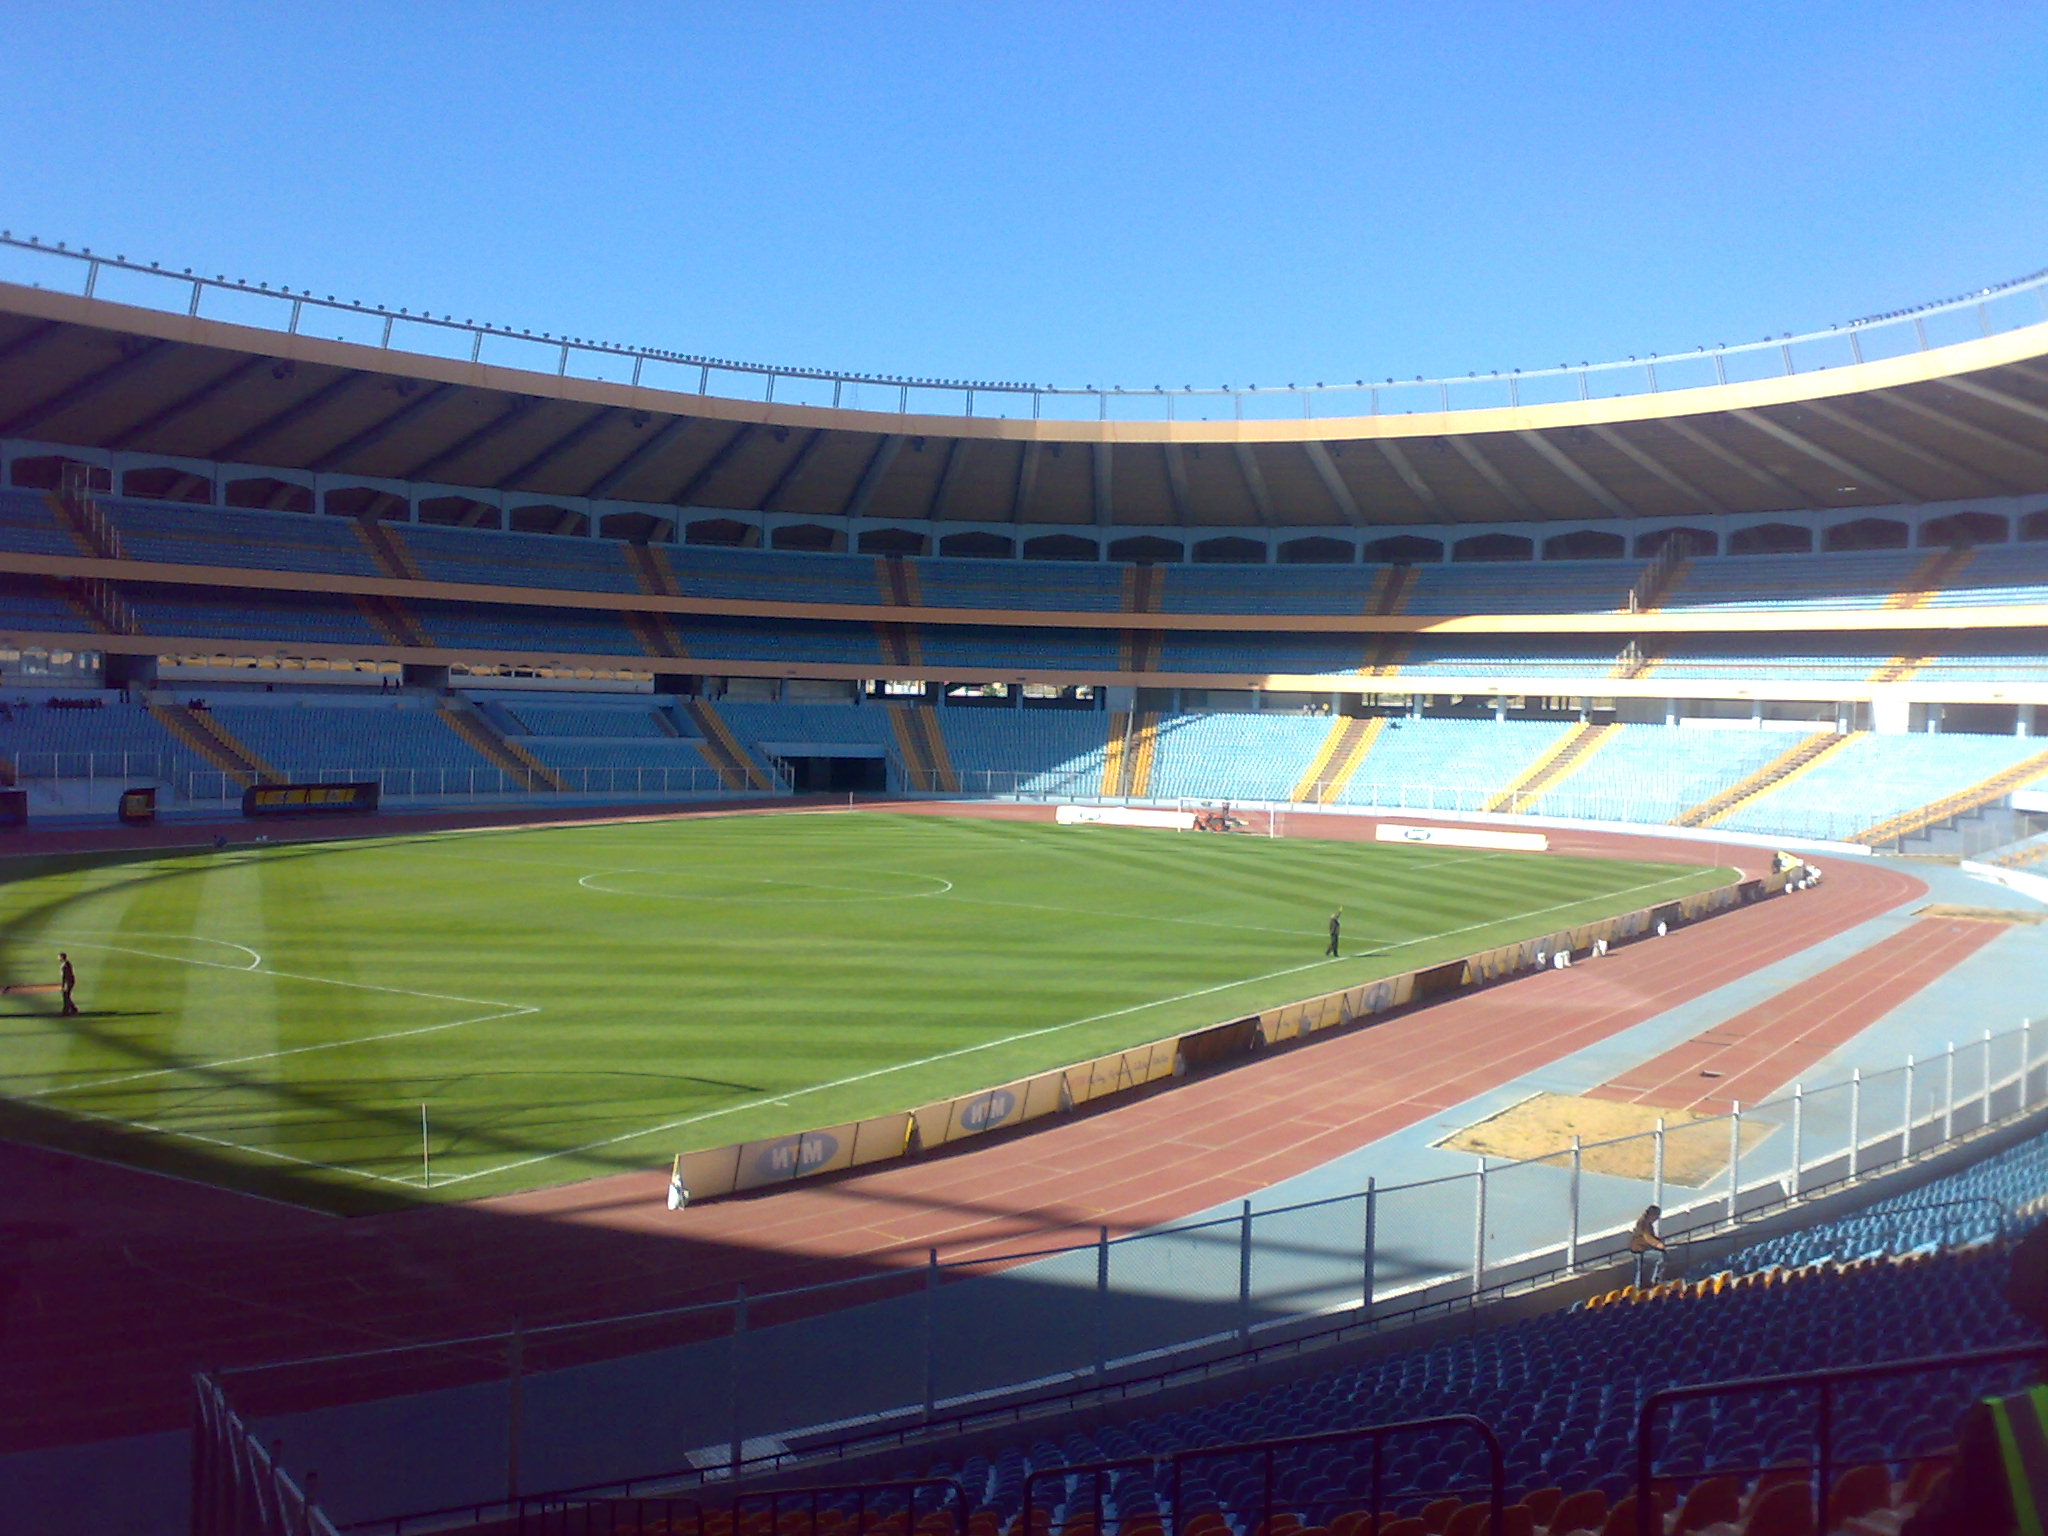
(68, 978)
(1336, 931)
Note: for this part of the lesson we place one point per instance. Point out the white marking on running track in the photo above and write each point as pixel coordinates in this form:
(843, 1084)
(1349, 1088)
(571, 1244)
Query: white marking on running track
(1028, 1034)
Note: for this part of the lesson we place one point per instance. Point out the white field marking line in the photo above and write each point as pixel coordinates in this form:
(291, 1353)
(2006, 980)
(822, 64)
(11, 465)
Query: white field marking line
(237, 1146)
(808, 885)
(1029, 1034)
(504, 1011)
(1495, 922)
(901, 1066)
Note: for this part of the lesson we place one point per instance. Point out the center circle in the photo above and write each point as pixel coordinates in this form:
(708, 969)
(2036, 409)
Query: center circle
(817, 887)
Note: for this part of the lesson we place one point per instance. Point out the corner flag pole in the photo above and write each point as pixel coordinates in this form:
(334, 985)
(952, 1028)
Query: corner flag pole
(426, 1153)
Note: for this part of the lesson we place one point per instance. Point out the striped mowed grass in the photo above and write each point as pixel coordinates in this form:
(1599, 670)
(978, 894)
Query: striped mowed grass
(567, 1002)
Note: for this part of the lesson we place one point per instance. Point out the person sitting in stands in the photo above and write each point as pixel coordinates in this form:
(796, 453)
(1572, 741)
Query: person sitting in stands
(1647, 1246)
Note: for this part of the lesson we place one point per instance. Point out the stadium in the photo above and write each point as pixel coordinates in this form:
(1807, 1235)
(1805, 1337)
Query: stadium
(943, 828)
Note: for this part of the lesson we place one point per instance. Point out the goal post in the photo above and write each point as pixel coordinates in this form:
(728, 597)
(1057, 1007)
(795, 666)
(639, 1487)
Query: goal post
(1260, 819)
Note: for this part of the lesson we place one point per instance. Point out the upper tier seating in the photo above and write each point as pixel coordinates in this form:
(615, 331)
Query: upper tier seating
(1566, 586)
(278, 541)
(785, 725)
(29, 525)
(1996, 573)
(1028, 584)
(29, 603)
(516, 559)
(218, 613)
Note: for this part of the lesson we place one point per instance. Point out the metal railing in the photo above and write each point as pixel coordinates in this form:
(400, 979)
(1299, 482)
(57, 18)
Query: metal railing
(1076, 1322)
(211, 787)
(299, 311)
(239, 1488)
(1649, 1520)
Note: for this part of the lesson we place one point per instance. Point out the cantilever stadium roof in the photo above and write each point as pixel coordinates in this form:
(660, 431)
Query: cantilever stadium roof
(1946, 424)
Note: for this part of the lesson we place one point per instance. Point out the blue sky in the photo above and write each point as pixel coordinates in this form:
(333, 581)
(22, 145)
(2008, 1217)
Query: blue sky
(1117, 191)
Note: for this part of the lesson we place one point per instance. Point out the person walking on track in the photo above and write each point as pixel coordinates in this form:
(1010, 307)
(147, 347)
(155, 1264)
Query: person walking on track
(1336, 931)
(68, 978)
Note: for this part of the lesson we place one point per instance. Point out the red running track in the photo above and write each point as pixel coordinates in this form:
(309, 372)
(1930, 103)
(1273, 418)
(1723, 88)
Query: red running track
(1754, 1054)
(130, 1280)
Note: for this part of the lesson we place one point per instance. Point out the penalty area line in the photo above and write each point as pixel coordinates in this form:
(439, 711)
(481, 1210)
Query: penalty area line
(235, 1146)
(502, 1010)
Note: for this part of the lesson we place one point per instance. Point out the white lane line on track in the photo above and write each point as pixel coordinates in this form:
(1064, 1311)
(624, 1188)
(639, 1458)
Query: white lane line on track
(1029, 1034)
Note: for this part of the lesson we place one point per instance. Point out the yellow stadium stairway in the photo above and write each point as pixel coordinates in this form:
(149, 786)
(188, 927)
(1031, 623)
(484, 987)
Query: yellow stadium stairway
(387, 549)
(922, 747)
(1384, 654)
(197, 729)
(656, 632)
(392, 619)
(518, 764)
(1323, 782)
(1127, 754)
(1934, 572)
(1637, 660)
(85, 522)
(1138, 754)
(651, 570)
(1661, 576)
(1566, 756)
(101, 604)
(1809, 752)
(1961, 803)
(1139, 648)
(722, 749)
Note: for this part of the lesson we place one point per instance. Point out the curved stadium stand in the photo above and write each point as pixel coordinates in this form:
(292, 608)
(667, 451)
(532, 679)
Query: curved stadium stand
(1814, 610)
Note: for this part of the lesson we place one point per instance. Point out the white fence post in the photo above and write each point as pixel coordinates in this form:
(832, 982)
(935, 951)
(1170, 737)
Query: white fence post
(1906, 1120)
(1984, 1115)
(1371, 1241)
(1657, 1166)
(1734, 1158)
(1948, 1099)
(1571, 1246)
(1798, 1138)
(1244, 1272)
(1855, 1119)
(1479, 1231)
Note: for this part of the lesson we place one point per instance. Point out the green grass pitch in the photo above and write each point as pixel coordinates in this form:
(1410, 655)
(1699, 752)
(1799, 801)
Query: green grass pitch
(575, 1001)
